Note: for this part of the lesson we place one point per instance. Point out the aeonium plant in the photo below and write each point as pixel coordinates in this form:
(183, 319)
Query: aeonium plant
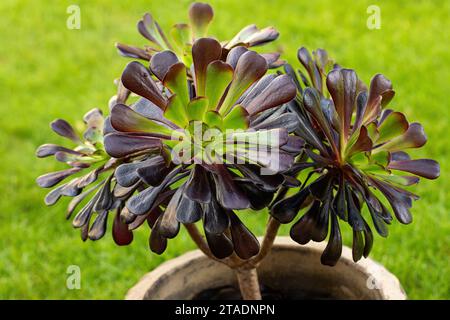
(202, 130)
(357, 150)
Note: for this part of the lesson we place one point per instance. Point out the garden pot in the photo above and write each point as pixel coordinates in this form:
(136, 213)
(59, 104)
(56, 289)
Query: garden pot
(291, 269)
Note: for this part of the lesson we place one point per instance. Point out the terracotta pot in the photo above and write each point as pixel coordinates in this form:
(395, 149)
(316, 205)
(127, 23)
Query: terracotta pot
(289, 268)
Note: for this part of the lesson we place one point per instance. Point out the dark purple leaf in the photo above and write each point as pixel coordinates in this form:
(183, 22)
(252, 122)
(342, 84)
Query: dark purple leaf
(119, 145)
(47, 150)
(157, 243)
(168, 224)
(132, 52)
(204, 51)
(342, 85)
(216, 220)
(121, 235)
(250, 68)
(281, 90)
(244, 242)
(358, 245)
(188, 211)
(98, 228)
(426, 168)
(161, 62)
(200, 15)
(287, 209)
(64, 129)
(234, 55)
(219, 244)
(51, 179)
(229, 195)
(197, 187)
(303, 229)
(333, 250)
(137, 79)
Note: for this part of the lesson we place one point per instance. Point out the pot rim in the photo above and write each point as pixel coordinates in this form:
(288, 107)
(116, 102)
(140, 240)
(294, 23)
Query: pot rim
(387, 284)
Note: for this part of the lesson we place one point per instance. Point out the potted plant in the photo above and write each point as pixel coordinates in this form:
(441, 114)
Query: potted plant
(208, 130)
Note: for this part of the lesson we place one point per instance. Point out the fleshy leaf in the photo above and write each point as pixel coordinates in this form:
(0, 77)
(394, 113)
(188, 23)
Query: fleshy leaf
(124, 119)
(150, 29)
(98, 228)
(218, 76)
(197, 108)
(228, 193)
(252, 36)
(414, 137)
(394, 125)
(161, 62)
(197, 187)
(426, 168)
(200, 15)
(280, 90)
(333, 250)
(119, 145)
(121, 235)
(342, 85)
(169, 225)
(219, 244)
(287, 209)
(51, 179)
(204, 51)
(216, 220)
(132, 52)
(64, 129)
(137, 79)
(245, 243)
(250, 68)
(213, 119)
(188, 211)
(236, 119)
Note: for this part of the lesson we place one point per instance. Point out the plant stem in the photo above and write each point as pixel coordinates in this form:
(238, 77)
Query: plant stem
(248, 283)
(271, 233)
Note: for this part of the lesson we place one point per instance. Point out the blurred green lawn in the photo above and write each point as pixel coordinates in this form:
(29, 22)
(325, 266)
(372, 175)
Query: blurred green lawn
(48, 71)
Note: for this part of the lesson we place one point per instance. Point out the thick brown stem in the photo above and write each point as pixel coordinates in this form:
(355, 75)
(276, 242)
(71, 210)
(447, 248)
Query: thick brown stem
(248, 283)
(271, 233)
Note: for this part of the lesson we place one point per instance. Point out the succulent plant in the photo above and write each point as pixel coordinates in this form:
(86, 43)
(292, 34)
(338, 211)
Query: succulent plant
(356, 150)
(204, 120)
(182, 36)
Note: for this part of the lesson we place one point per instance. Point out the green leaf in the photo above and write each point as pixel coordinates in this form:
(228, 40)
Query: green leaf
(213, 119)
(176, 112)
(381, 158)
(218, 77)
(197, 108)
(181, 35)
(236, 119)
(394, 125)
(176, 81)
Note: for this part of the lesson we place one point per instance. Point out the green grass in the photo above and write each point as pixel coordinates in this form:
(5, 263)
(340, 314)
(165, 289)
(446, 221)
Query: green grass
(48, 71)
